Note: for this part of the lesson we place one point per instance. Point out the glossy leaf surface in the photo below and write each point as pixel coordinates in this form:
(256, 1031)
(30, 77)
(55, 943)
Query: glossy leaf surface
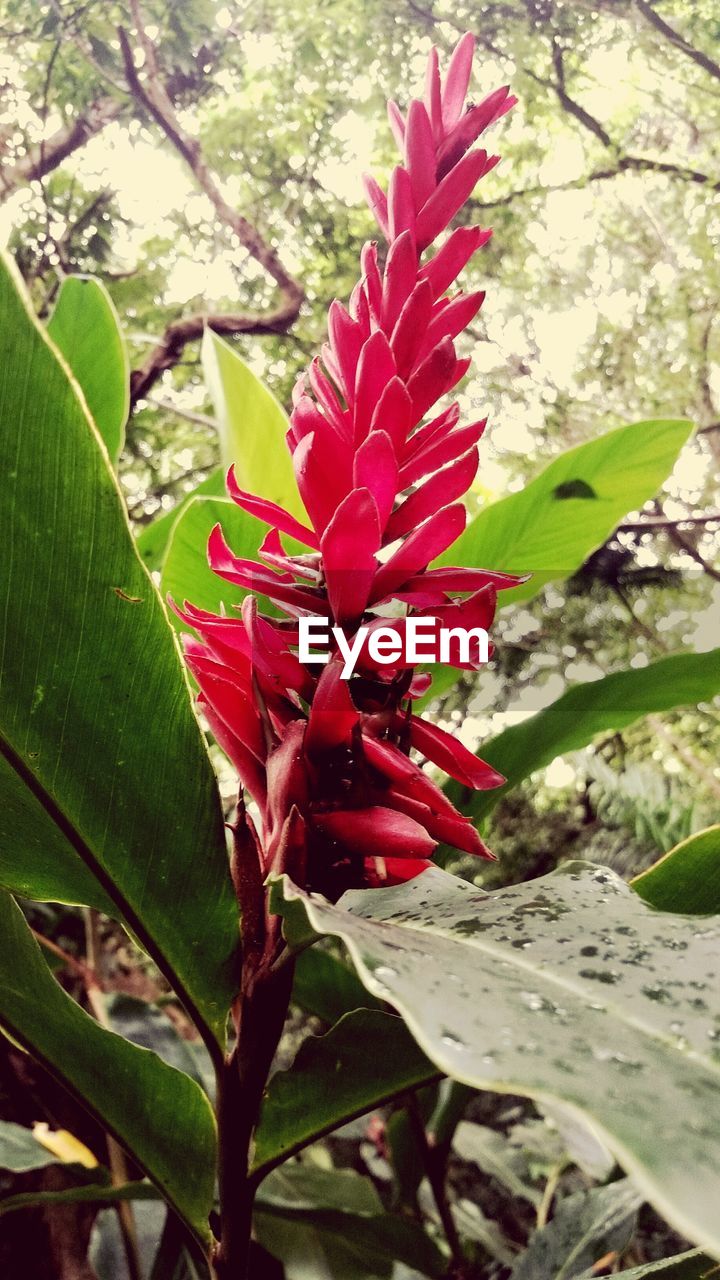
(367, 1058)
(614, 701)
(104, 766)
(568, 987)
(252, 425)
(85, 328)
(687, 878)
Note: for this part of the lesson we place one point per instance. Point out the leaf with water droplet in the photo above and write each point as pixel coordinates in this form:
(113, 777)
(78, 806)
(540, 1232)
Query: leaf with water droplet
(651, 1091)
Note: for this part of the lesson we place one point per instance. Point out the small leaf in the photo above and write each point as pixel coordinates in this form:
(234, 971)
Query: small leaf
(19, 1149)
(85, 328)
(587, 1226)
(88, 1193)
(693, 1265)
(687, 878)
(64, 1146)
(152, 541)
(494, 1155)
(186, 574)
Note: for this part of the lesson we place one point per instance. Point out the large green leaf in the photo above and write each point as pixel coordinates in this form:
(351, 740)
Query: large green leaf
(152, 541)
(568, 987)
(103, 759)
(687, 878)
(186, 574)
(367, 1058)
(610, 703)
(551, 526)
(252, 425)
(157, 1113)
(84, 326)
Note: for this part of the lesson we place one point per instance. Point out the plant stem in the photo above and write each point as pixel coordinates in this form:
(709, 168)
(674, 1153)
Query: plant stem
(260, 1018)
(434, 1163)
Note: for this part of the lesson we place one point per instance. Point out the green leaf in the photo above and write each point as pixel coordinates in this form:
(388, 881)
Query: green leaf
(365, 1060)
(103, 759)
(85, 328)
(301, 1186)
(152, 541)
(611, 703)
(252, 425)
(551, 526)
(92, 1193)
(693, 1265)
(186, 574)
(158, 1114)
(19, 1150)
(329, 1225)
(587, 1226)
(327, 987)
(568, 987)
(687, 878)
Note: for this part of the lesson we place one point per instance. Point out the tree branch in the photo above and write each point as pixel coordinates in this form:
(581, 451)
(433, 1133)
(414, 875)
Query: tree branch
(46, 156)
(702, 59)
(151, 92)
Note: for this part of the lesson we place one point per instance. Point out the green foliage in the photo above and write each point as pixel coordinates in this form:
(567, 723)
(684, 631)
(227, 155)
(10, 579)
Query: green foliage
(87, 778)
(687, 879)
(252, 425)
(551, 527)
(363, 1061)
(585, 710)
(156, 1112)
(84, 327)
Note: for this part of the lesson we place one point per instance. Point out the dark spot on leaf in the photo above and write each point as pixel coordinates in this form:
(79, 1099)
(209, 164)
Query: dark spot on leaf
(574, 489)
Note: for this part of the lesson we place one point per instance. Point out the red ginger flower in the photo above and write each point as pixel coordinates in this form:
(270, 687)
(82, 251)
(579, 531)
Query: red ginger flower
(325, 759)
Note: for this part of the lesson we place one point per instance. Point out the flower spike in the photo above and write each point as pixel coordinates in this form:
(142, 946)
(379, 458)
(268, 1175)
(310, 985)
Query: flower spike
(381, 471)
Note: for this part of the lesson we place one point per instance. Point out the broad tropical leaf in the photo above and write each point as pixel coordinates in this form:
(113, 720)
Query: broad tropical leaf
(252, 425)
(568, 987)
(158, 1114)
(329, 1225)
(614, 701)
(85, 328)
(186, 574)
(153, 540)
(687, 878)
(104, 768)
(551, 526)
